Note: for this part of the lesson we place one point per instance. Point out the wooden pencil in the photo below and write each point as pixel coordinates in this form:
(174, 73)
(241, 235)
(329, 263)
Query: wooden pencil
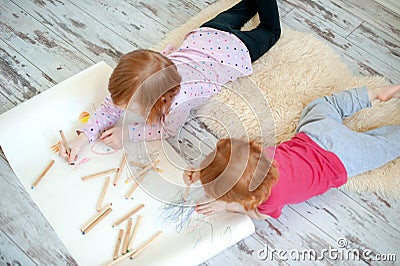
(119, 171)
(144, 165)
(43, 174)
(127, 235)
(101, 217)
(116, 250)
(129, 214)
(135, 185)
(83, 228)
(121, 258)
(88, 177)
(135, 231)
(147, 244)
(148, 167)
(103, 193)
(64, 141)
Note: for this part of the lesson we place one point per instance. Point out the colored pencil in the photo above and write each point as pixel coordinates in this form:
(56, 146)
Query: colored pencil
(116, 250)
(127, 235)
(129, 214)
(43, 173)
(121, 258)
(90, 227)
(135, 185)
(88, 177)
(147, 244)
(103, 193)
(101, 217)
(135, 231)
(144, 165)
(101, 212)
(64, 141)
(121, 166)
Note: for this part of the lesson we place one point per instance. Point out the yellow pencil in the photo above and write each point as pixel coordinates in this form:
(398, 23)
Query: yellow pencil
(88, 177)
(121, 166)
(129, 214)
(103, 193)
(127, 235)
(135, 231)
(146, 245)
(121, 232)
(43, 174)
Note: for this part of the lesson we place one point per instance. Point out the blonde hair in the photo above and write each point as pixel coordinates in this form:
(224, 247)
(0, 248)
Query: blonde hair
(153, 77)
(237, 171)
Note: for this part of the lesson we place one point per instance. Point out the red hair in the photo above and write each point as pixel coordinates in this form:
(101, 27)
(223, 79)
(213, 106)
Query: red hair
(151, 77)
(237, 171)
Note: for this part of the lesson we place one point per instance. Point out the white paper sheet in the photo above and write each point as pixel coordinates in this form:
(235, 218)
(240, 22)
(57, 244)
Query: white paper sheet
(26, 134)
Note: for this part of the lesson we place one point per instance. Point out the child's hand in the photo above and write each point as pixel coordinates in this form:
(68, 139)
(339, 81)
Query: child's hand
(112, 137)
(211, 207)
(75, 147)
(190, 176)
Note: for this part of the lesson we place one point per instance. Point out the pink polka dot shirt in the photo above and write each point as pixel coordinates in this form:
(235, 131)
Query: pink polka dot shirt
(207, 59)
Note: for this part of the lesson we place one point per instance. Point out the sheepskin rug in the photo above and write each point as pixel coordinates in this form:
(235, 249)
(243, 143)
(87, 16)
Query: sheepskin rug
(267, 105)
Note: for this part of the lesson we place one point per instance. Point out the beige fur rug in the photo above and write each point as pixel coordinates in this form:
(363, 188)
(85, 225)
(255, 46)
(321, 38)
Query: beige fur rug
(297, 70)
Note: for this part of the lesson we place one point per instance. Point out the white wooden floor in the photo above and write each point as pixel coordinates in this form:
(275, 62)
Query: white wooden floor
(43, 42)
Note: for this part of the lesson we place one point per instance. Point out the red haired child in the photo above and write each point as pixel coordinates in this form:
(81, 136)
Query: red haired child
(241, 176)
(164, 87)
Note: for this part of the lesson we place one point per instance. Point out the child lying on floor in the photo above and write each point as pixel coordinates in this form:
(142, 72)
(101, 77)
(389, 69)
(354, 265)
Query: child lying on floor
(164, 87)
(244, 177)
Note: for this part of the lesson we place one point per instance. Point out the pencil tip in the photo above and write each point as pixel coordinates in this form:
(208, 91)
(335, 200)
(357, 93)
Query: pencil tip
(32, 187)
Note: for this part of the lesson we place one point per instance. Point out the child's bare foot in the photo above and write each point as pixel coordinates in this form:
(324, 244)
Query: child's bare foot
(384, 93)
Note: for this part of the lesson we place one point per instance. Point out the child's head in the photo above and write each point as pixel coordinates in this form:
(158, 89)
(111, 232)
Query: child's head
(237, 171)
(150, 79)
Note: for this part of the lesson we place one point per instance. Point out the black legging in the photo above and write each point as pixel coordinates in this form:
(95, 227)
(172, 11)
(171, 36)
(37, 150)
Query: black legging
(259, 40)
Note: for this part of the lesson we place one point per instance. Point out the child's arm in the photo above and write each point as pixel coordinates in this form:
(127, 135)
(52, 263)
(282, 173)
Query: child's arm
(218, 206)
(102, 119)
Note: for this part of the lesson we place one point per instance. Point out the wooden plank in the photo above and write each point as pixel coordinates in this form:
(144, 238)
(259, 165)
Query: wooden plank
(170, 13)
(377, 43)
(387, 209)
(125, 20)
(25, 224)
(198, 129)
(77, 28)
(11, 254)
(392, 5)
(5, 103)
(52, 55)
(338, 20)
(358, 60)
(19, 79)
(293, 232)
(372, 12)
(341, 217)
